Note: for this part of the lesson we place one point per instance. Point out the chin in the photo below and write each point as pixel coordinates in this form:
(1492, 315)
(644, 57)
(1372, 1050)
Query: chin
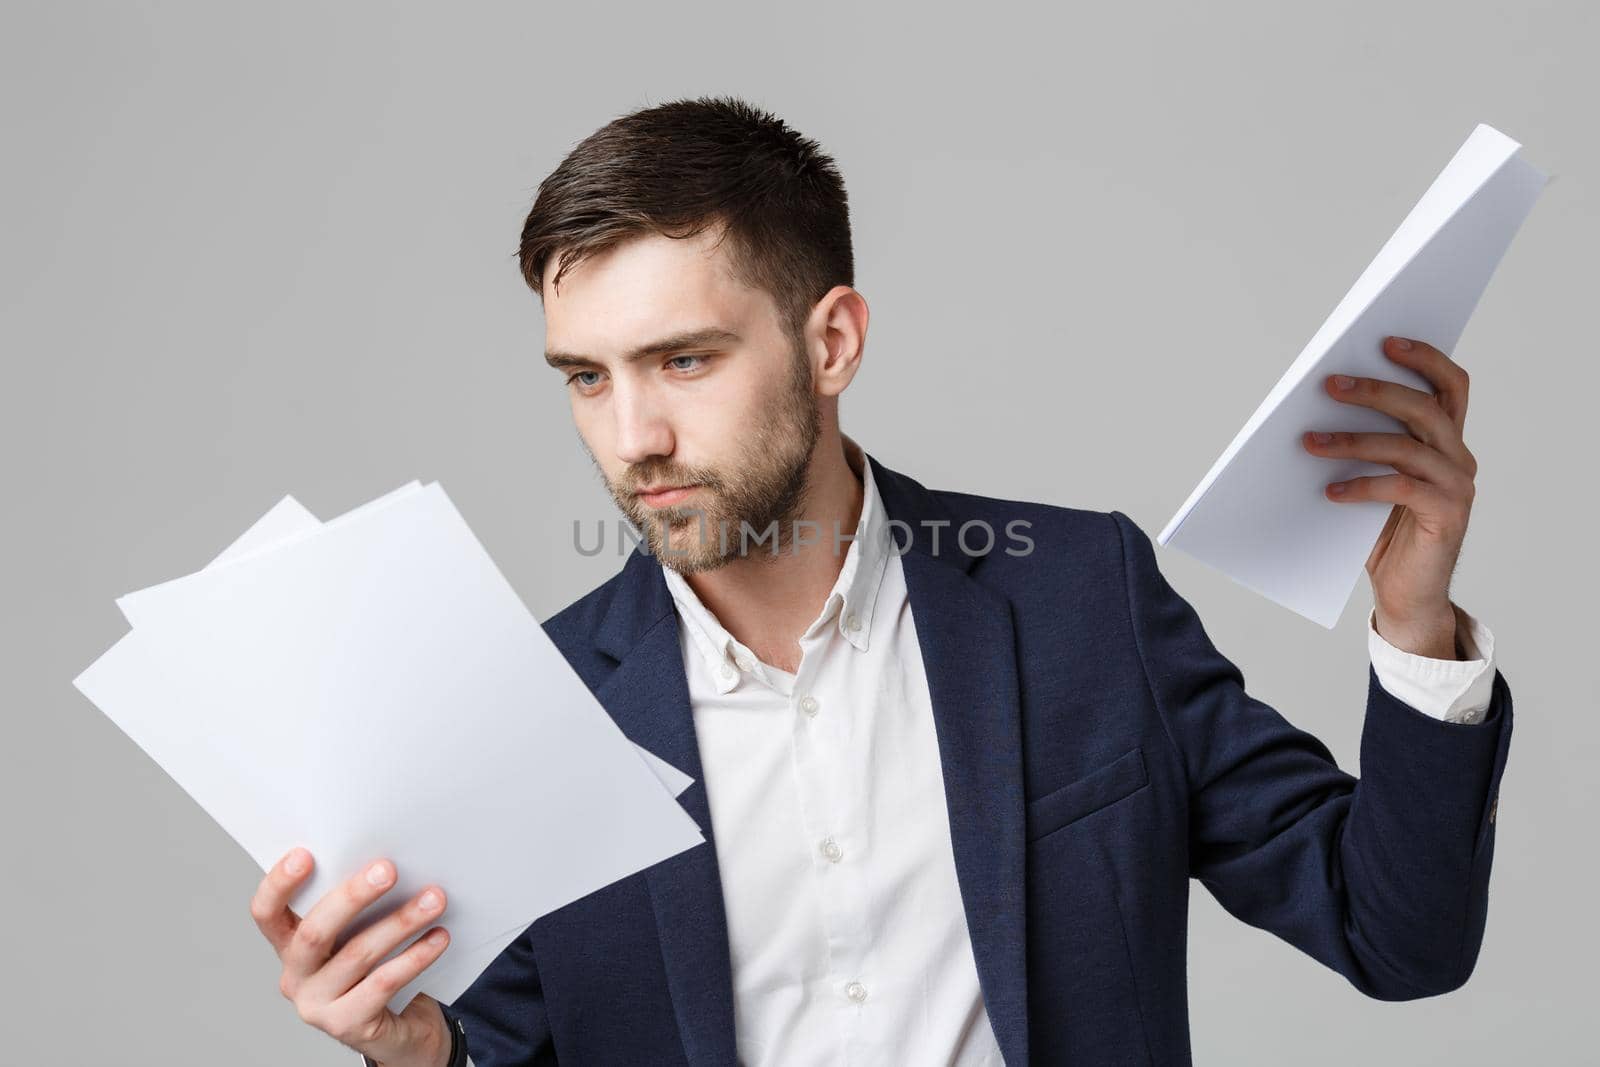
(693, 563)
(681, 549)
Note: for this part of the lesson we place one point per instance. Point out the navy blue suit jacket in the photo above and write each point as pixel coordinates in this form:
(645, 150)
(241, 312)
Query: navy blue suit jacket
(1098, 752)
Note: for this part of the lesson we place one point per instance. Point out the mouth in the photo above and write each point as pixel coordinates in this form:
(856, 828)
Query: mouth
(664, 496)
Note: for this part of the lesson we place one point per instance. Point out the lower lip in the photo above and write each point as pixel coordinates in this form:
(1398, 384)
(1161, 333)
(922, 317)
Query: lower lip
(669, 496)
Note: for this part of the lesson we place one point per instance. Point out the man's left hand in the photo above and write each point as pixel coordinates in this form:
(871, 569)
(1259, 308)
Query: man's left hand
(1431, 490)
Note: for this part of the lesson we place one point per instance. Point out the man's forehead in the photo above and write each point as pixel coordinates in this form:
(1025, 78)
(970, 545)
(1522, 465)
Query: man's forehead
(642, 290)
(647, 262)
(625, 330)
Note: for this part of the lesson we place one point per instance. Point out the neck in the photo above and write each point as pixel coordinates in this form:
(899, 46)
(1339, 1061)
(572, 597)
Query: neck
(767, 601)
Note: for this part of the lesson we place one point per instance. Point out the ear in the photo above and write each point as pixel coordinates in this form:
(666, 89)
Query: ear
(836, 334)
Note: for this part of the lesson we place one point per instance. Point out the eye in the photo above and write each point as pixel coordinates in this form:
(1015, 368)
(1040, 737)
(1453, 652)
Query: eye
(675, 359)
(576, 379)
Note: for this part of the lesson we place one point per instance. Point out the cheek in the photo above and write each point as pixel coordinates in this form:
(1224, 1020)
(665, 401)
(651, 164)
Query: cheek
(749, 402)
(725, 431)
(709, 418)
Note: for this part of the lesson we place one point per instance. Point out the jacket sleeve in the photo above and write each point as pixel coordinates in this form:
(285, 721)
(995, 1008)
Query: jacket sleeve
(501, 1016)
(1382, 878)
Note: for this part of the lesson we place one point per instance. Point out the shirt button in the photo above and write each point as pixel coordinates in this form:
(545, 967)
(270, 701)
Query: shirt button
(831, 850)
(727, 671)
(745, 663)
(856, 992)
(809, 705)
(852, 623)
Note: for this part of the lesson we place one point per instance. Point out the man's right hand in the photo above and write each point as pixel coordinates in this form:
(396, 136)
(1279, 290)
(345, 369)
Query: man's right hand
(340, 988)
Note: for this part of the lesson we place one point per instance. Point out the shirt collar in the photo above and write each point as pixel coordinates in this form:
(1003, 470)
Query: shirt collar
(849, 605)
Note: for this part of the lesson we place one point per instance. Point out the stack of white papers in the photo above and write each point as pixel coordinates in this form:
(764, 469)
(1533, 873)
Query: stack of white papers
(1260, 515)
(373, 687)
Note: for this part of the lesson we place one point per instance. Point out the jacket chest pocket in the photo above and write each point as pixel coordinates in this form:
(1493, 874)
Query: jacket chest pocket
(1098, 789)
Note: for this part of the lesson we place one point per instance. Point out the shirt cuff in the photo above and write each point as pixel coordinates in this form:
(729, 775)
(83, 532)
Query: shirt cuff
(1449, 689)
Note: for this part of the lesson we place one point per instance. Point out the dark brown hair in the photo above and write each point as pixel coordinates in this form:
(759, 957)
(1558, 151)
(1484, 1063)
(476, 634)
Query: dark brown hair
(681, 167)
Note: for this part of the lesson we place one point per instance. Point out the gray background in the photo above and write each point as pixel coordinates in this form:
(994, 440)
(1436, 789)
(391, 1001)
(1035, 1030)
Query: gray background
(250, 252)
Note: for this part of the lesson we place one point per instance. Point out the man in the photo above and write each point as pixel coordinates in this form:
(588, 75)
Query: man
(956, 758)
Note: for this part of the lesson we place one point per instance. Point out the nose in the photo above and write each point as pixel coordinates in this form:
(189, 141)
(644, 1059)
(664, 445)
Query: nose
(643, 430)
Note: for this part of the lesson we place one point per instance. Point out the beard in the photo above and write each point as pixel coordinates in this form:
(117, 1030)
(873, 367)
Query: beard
(738, 512)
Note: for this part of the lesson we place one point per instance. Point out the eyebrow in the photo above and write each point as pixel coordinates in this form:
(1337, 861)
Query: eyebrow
(710, 335)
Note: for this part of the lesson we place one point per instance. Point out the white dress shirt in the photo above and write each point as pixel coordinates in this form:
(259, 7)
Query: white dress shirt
(845, 923)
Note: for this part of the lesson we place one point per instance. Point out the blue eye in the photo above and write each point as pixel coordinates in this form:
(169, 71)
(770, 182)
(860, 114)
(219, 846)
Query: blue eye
(674, 359)
(580, 374)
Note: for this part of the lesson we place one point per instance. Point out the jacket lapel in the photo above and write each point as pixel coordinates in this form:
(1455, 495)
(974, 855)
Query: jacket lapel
(648, 695)
(968, 648)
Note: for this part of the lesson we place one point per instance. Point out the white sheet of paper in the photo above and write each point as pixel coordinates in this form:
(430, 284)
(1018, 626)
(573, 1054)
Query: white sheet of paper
(1260, 515)
(517, 800)
(140, 703)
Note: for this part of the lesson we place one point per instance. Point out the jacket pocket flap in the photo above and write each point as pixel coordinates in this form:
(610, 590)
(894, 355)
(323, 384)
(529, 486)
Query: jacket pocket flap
(1087, 795)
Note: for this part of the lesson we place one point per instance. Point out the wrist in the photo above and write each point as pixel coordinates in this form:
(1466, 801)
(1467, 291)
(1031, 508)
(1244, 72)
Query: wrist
(1433, 635)
(435, 1048)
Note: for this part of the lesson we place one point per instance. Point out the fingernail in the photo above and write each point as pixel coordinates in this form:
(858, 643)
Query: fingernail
(1321, 438)
(1343, 381)
(437, 937)
(1337, 488)
(429, 901)
(1402, 344)
(296, 863)
(378, 874)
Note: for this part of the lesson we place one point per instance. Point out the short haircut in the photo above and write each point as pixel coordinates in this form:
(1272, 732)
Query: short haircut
(679, 168)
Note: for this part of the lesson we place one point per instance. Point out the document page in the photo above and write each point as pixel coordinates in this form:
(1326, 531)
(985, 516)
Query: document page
(373, 687)
(1260, 515)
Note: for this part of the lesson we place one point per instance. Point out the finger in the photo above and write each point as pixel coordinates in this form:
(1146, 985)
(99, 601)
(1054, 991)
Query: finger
(1439, 514)
(370, 995)
(1419, 412)
(317, 935)
(1447, 377)
(269, 907)
(363, 952)
(1401, 451)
